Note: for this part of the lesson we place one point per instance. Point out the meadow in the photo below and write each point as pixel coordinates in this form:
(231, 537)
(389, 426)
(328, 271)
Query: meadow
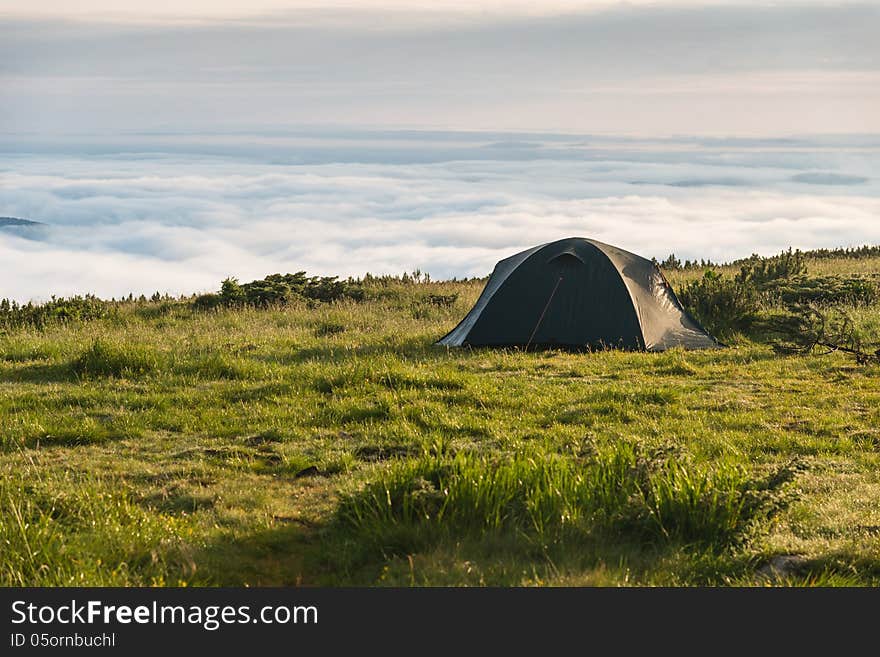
(180, 442)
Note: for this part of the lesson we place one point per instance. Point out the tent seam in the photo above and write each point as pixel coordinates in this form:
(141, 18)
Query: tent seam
(635, 303)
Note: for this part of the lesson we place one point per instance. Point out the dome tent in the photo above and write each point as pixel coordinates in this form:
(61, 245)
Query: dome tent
(578, 293)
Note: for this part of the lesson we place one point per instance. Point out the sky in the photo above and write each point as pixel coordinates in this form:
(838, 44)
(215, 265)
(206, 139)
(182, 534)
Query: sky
(209, 9)
(648, 68)
(167, 145)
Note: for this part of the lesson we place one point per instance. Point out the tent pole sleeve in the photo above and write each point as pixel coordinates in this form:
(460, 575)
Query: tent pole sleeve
(543, 312)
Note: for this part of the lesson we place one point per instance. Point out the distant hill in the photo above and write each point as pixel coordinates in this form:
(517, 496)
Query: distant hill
(14, 221)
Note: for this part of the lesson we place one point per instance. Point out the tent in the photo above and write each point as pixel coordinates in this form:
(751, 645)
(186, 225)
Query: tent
(582, 294)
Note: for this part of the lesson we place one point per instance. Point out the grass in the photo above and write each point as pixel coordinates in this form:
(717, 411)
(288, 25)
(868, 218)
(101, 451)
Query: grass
(334, 444)
(73, 531)
(544, 501)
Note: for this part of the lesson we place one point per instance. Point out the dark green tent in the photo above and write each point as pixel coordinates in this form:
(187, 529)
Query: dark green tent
(578, 293)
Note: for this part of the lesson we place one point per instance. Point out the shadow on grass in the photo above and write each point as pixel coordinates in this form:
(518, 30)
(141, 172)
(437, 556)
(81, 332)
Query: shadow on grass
(54, 373)
(270, 557)
(66, 437)
(175, 502)
(297, 553)
(412, 348)
(259, 393)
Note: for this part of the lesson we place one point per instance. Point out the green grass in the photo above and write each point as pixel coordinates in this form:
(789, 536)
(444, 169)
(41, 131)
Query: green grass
(334, 444)
(540, 501)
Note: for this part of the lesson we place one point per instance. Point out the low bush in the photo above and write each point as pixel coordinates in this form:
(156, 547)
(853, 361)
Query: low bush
(280, 290)
(728, 305)
(78, 308)
(442, 300)
(208, 301)
(723, 305)
(826, 290)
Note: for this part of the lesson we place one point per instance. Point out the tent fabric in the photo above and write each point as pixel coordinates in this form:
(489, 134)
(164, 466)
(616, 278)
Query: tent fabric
(578, 293)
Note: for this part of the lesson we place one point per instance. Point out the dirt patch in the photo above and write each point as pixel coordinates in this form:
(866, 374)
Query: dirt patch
(783, 565)
(376, 453)
(311, 471)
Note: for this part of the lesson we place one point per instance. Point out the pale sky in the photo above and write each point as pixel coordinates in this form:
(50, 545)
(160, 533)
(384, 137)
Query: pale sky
(226, 8)
(639, 67)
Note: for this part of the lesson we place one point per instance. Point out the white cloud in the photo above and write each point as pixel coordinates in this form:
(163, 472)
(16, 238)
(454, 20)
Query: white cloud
(180, 223)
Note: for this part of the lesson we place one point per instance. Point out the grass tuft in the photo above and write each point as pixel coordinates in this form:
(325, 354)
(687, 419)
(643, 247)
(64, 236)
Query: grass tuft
(106, 358)
(623, 493)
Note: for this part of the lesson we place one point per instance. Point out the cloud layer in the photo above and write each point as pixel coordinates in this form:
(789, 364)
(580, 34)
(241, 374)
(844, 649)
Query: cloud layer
(179, 214)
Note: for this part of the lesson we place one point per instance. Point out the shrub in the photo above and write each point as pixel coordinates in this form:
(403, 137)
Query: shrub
(207, 302)
(826, 290)
(442, 300)
(810, 330)
(78, 308)
(231, 293)
(722, 305)
(759, 271)
(729, 305)
(280, 290)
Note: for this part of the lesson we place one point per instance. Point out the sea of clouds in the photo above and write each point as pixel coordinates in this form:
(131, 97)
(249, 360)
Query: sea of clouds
(179, 213)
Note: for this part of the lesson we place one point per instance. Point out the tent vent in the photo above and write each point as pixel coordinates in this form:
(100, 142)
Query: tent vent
(566, 259)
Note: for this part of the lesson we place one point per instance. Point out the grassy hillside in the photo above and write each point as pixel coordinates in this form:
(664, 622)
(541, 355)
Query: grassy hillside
(331, 443)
